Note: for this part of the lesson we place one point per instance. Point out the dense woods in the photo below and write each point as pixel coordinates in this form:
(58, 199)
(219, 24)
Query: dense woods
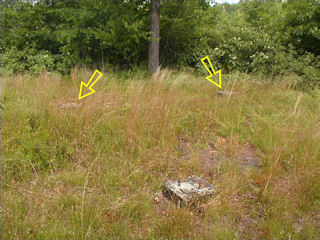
(266, 36)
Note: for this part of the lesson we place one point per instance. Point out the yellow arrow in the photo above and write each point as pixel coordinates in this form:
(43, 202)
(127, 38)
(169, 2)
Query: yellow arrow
(89, 85)
(211, 71)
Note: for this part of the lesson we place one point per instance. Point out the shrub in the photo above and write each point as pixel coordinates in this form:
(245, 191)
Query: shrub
(29, 59)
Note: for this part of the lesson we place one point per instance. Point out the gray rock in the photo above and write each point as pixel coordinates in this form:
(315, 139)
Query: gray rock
(187, 191)
(69, 105)
(227, 93)
(248, 158)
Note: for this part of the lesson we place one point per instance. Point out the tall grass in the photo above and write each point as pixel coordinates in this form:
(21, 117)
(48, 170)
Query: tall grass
(93, 171)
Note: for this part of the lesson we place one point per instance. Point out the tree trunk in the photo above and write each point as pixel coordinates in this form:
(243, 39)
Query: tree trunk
(155, 41)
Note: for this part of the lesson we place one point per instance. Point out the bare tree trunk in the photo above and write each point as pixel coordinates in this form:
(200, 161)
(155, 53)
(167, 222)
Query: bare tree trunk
(155, 41)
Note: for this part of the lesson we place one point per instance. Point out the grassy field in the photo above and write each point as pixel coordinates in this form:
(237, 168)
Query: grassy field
(95, 171)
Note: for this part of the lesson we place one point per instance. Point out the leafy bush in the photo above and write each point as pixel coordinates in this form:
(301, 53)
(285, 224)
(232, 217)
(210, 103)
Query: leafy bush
(302, 22)
(29, 59)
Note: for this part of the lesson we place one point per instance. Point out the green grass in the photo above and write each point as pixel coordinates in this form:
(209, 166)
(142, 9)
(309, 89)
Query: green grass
(93, 172)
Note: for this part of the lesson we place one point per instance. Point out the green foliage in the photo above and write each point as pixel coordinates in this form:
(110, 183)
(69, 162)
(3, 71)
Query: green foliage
(28, 59)
(183, 25)
(303, 21)
(253, 36)
(76, 32)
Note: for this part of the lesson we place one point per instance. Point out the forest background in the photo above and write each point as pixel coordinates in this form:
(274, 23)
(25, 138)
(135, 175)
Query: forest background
(269, 37)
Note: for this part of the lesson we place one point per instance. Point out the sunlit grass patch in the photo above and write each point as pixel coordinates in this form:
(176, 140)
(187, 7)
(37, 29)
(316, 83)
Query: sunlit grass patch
(90, 169)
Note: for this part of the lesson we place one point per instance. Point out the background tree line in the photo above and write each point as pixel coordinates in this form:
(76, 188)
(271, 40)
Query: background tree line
(253, 36)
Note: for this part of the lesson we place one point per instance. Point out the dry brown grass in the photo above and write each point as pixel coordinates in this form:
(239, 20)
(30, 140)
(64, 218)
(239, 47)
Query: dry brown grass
(93, 171)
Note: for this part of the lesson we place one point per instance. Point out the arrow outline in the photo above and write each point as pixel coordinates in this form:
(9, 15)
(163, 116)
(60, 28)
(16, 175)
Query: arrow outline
(87, 85)
(214, 72)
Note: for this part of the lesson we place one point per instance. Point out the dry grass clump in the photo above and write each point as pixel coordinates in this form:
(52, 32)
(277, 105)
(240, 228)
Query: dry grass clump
(91, 169)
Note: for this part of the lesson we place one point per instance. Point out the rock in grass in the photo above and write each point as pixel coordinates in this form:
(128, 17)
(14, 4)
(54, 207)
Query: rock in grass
(248, 158)
(187, 191)
(227, 93)
(69, 105)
